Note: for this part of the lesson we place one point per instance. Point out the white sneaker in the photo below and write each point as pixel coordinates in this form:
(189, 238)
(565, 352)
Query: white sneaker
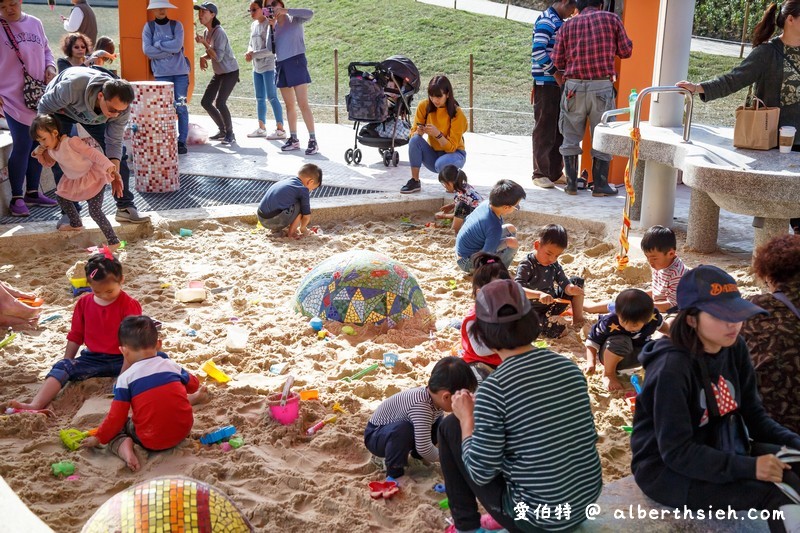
(544, 183)
(258, 132)
(277, 134)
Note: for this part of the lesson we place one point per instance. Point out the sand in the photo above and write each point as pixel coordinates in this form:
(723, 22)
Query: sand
(280, 478)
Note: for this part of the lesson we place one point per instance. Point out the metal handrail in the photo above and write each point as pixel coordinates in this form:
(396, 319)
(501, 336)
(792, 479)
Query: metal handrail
(688, 107)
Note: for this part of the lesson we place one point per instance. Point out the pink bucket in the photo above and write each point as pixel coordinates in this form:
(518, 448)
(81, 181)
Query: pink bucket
(285, 414)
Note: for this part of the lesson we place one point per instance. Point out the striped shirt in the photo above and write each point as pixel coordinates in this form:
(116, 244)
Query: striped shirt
(544, 39)
(534, 425)
(665, 282)
(415, 406)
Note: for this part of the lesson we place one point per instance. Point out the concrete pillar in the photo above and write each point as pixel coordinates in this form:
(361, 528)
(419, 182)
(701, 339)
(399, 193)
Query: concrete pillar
(671, 65)
(658, 195)
(638, 189)
(772, 227)
(703, 223)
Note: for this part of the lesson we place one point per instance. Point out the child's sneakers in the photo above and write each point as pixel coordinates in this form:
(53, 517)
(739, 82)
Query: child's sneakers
(292, 143)
(312, 147)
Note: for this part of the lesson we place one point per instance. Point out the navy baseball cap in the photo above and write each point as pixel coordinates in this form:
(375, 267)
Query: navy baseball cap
(208, 6)
(499, 293)
(714, 291)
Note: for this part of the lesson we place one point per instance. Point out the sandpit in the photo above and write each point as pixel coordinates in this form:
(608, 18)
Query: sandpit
(280, 478)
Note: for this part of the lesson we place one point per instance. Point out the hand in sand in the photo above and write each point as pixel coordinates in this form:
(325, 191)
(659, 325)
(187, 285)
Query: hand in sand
(770, 468)
(90, 442)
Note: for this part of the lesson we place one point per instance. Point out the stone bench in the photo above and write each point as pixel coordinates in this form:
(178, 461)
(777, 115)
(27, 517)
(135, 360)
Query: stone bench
(748, 182)
(622, 503)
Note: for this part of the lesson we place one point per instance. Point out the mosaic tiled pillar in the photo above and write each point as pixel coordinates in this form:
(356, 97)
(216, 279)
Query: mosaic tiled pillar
(153, 125)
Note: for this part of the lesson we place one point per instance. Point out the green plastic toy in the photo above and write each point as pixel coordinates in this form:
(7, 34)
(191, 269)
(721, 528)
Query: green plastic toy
(72, 438)
(444, 504)
(236, 442)
(63, 468)
(361, 373)
(8, 340)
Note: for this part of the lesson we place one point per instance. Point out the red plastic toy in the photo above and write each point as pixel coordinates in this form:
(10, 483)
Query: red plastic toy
(383, 489)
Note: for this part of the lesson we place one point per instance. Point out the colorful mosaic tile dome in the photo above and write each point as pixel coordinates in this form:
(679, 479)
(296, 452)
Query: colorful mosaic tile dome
(169, 504)
(360, 287)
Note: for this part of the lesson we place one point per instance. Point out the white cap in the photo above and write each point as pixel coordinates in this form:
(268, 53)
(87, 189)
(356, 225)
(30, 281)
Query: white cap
(160, 4)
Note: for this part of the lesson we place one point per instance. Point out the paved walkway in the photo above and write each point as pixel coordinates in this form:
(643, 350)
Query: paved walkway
(528, 16)
(489, 158)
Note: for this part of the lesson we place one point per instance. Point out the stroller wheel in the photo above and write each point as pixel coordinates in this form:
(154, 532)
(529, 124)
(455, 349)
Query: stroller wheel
(348, 156)
(387, 158)
(356, 156)
(395, 159)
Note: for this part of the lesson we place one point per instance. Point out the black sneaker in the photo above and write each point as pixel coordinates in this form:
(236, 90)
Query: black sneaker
(291, 144)
(411, 186)
(218, 137)
(229, 139)
(312, 147)
(182, 149)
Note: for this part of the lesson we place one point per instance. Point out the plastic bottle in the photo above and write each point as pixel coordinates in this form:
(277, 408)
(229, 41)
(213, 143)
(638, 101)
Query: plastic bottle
(632, 101)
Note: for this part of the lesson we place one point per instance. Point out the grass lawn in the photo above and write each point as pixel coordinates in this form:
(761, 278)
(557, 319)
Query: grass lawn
(436, 39)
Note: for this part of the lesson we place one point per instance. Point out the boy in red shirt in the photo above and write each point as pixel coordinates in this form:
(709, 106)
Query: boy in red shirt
(157, 390)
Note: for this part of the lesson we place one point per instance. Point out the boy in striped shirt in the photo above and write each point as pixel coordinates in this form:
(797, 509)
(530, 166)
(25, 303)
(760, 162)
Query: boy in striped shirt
(159, 393)
(407, 421)
(525, 444)
(659, 245)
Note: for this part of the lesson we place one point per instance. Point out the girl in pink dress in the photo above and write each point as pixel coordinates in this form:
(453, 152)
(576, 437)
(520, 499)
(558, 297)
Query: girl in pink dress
(86, 172)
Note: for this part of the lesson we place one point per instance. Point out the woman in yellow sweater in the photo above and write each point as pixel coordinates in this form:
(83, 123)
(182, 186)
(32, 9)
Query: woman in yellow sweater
(441, 119)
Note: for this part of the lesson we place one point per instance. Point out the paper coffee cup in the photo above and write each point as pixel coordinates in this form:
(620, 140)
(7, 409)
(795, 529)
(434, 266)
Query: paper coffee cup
(786, 138)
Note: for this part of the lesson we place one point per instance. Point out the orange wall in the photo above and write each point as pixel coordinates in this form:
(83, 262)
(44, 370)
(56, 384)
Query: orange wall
(640, 18)
(133, 15)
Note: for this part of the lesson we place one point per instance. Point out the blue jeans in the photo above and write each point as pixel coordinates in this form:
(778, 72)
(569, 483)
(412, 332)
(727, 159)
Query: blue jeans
(264, 83)
(394, 442)
(420, 153)
(98, 133)
(87, 365)
(180, 86)
(504, 252)
(22, 168)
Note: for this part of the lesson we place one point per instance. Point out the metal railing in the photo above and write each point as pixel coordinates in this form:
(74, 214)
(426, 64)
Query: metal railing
(688, 107)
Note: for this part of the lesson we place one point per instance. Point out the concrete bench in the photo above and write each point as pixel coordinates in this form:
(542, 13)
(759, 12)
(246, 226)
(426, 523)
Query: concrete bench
(47, 182)
(623, 508)
(748, 182)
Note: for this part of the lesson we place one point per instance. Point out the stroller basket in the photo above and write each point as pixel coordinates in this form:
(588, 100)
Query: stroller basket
(367, 101)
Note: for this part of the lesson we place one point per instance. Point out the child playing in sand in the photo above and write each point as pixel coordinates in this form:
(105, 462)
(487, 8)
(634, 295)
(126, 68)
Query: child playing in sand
(659, 245)
(95, 322)
(482, 360)
(286, 205)
(157, 391)
(86, 172)
(407, 421)
(484, 230)
(544, 281)
(617, 338)
(466, 198)
(527, 436)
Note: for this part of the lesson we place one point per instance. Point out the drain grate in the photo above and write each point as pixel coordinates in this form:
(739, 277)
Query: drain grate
(195, 191)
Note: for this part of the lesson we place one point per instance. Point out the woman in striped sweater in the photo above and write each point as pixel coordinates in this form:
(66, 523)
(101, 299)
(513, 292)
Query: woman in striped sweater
(525, 445)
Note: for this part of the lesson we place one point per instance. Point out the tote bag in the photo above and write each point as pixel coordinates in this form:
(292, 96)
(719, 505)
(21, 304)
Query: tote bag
(756, 127)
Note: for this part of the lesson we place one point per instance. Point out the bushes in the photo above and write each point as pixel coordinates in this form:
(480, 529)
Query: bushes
(722, 19)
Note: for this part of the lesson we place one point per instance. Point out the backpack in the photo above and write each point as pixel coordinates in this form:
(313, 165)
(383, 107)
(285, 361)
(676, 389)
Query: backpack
(172, 23)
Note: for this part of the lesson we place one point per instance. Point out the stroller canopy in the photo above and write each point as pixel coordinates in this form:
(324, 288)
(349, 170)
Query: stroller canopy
(403, 67)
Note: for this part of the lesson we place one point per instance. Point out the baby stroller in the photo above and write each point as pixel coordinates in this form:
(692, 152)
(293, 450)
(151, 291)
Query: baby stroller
(381, 98)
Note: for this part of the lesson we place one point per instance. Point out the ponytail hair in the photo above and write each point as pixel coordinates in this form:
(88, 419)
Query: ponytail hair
(487, 268)
(774, 17)
(455, 176)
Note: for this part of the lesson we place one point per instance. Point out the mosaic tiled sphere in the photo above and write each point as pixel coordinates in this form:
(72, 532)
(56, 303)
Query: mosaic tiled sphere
(360, 287)
(169, 504)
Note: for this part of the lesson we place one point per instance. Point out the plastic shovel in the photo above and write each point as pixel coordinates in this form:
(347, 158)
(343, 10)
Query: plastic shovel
(286, 388)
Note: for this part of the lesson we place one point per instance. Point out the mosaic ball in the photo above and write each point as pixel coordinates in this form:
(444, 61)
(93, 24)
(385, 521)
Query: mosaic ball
(169, 504)
(360, 287)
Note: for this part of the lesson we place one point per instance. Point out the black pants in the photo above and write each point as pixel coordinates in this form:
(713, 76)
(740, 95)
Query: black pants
(547, 160)
(462, 490)
(98, 133)
(746, 494)
(394, 442)
(553, 330)
(215, 100)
